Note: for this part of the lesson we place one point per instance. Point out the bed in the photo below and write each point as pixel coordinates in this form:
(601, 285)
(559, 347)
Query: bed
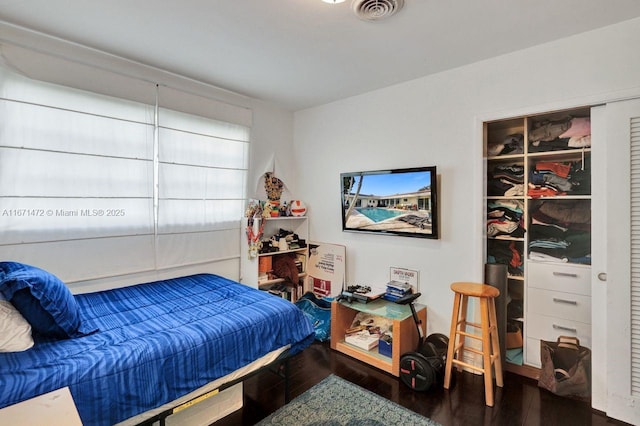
(140, 350)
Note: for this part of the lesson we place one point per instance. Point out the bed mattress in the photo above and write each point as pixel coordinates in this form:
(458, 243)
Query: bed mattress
(156, 342)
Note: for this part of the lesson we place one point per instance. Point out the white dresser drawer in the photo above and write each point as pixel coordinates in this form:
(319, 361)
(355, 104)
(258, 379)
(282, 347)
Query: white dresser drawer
(540, 327)
(562, 277)
(561, 305)
(549, 328)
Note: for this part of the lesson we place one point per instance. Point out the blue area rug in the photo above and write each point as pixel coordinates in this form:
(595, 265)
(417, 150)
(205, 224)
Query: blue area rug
(335, 401)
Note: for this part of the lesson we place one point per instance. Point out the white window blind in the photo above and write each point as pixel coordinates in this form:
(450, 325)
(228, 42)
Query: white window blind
(202, 179)
(75, 169)
(77, 182)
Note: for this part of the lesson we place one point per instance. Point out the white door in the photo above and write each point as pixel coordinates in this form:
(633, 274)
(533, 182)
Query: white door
(621, 283)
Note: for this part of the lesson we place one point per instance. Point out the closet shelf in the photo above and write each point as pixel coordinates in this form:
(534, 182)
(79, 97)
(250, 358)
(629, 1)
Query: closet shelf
(569, 153)
(561, 197)
(506, 157)
(506, 197)
(506, 238)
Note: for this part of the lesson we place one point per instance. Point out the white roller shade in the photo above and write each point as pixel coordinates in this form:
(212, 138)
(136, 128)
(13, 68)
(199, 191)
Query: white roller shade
(76, 174)
(202, 179)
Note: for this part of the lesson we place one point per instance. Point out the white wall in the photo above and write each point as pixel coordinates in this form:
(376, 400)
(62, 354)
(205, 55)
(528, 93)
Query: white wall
(437, 120)
(271, 137)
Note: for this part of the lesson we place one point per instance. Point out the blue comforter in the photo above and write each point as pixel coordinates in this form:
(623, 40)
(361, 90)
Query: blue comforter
(157, 342)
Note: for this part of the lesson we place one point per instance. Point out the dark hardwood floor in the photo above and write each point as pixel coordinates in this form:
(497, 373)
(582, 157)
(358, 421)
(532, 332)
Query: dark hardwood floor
(519, 402)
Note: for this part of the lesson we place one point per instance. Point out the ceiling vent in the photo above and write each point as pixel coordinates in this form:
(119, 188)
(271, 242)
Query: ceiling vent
(374, 10)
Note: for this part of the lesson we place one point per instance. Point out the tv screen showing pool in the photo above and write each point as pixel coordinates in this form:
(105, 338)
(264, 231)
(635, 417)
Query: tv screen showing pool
(396, 202)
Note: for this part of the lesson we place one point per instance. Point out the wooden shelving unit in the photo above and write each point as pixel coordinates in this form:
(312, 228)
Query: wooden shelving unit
(250, 273)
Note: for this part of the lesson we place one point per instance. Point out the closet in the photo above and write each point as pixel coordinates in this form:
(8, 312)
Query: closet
(538, 223)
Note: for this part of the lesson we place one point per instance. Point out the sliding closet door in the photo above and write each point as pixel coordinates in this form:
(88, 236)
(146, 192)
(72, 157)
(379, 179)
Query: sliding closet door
(622, 274)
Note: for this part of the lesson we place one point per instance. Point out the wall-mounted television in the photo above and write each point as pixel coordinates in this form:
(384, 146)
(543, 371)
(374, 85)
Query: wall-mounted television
(394, 202)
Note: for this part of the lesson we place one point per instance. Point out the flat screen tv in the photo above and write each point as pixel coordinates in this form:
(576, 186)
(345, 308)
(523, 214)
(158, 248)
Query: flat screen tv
(394, 202)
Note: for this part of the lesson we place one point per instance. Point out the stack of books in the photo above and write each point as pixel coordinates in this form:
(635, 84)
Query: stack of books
(363, 340)
(395, 290)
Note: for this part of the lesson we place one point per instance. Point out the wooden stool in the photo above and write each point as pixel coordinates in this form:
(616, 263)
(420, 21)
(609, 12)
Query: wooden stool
(490, 342)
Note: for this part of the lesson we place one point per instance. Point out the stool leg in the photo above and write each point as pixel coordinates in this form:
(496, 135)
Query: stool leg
(462, 327)
(486, 350)
(495, 343)
(452, 341)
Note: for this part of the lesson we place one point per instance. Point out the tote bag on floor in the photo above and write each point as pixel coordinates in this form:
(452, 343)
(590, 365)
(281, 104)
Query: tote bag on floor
(566, 368)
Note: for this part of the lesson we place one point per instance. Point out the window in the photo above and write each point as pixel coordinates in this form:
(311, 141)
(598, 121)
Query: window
(94, 186)
(202, 180)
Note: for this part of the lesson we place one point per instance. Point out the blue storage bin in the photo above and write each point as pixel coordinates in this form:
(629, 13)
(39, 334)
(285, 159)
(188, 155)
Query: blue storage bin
(384, 347)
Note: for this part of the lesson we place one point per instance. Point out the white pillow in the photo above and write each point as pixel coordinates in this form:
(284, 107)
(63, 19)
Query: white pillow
(15, 331)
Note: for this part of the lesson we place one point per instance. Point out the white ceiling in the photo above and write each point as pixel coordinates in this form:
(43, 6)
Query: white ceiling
(302, 53)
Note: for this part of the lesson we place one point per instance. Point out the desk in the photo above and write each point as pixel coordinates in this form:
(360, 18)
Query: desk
(405, 335)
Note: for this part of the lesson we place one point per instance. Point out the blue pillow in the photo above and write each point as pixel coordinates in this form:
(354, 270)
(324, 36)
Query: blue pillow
(42, 299)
